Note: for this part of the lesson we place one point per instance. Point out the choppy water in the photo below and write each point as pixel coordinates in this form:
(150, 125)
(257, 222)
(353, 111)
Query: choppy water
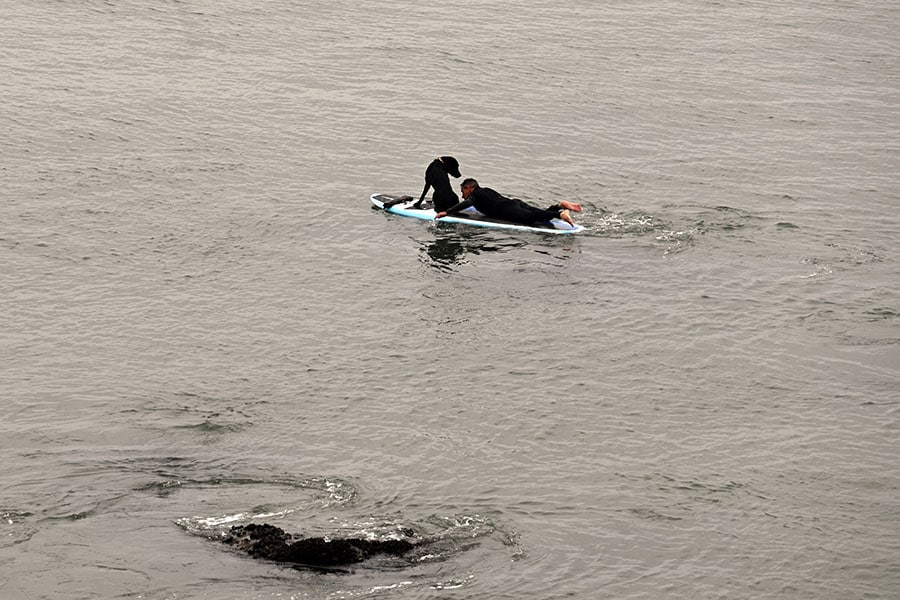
(203, 322)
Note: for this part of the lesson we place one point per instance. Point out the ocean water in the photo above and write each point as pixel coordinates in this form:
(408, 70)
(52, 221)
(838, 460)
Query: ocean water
(205, 324)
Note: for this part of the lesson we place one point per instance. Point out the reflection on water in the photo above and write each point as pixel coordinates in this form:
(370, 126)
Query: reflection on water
(450, 244)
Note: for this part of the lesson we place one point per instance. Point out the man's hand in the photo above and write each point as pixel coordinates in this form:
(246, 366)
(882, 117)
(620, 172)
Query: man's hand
(443, 213)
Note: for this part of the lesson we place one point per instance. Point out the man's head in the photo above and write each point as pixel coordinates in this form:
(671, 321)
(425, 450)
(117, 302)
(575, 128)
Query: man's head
(468, 186)
(451, 165)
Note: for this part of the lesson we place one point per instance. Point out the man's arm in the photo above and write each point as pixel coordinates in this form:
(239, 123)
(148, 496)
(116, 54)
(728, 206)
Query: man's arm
(455, 208)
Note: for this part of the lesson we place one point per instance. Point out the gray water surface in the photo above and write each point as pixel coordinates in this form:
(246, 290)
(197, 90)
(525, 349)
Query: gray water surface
(203, 322)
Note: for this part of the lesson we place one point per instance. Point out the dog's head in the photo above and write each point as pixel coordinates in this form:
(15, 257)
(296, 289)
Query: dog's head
(451, 165)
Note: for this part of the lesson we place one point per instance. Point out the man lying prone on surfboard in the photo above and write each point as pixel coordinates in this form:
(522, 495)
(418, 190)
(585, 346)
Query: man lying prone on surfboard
(492, 204)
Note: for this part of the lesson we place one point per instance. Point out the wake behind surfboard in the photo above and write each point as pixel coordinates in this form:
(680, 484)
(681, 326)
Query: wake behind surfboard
(467, 217)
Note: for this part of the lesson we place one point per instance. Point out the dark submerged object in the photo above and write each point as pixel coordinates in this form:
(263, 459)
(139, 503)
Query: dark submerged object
(272, 543)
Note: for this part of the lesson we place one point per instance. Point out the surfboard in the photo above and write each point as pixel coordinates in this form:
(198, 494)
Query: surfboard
(470, 216)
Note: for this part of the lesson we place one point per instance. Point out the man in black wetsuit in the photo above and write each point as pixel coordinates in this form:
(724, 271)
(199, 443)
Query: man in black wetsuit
(492, 204)
(436, 177)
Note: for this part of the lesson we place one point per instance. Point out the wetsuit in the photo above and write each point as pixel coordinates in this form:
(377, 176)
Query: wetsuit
(492, 204)
(436, 177)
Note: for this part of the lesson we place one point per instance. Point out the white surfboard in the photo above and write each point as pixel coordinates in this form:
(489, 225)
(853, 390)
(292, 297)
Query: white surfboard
(469, 216)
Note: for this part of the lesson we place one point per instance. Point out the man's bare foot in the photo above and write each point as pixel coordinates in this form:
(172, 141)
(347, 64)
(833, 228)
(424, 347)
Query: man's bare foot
(573, 206)
(565, 216)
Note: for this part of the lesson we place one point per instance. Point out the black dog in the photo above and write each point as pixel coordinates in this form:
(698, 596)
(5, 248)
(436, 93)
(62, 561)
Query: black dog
(436, 176)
